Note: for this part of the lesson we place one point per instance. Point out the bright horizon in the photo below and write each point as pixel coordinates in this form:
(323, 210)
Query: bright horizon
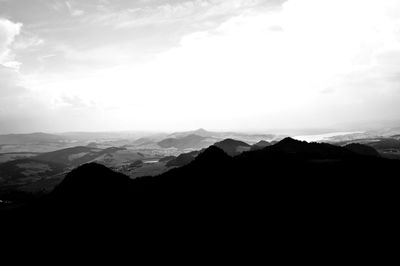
(222, 65)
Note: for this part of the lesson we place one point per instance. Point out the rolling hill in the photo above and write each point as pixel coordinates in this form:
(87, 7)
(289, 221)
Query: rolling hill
(33, 138)
(260, 145)
(83, 154)
(19, 173)
(362, 149)
(183, 159)
(186, 142)
(233, 147)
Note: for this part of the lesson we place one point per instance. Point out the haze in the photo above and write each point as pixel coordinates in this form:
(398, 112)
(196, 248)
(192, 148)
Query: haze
(100, 65)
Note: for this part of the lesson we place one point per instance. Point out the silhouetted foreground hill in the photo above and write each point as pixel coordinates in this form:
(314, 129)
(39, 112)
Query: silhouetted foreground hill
(290, 188)
(362, 149)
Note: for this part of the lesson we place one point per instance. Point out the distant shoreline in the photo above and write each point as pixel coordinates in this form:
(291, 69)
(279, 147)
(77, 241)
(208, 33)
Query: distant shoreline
(320, 137)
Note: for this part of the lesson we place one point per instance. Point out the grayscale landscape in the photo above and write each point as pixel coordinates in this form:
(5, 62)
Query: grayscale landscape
(224, 122)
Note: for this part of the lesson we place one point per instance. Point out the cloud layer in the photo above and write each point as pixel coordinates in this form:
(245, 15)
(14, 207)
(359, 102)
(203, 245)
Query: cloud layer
(171, 65)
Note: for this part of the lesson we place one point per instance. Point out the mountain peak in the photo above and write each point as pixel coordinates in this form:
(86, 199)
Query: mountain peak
(289, 140)
(211, 155)
(91, 180)
(231, 142)
(200, 130)
(260, 145)
(232, 147)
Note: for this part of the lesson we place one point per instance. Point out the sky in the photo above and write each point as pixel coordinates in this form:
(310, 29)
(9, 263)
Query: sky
(249, 65)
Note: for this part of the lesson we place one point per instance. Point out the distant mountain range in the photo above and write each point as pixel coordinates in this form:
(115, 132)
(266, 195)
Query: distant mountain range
(186, 142)
(39, 167)
(279, 166)
(199, 139)
(268, 191)
(229, 146)
(33, 138)
(292, 189)
(246, 137)
(199, 132)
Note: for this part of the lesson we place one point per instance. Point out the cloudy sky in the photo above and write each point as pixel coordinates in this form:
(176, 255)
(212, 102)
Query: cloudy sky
(183, 64)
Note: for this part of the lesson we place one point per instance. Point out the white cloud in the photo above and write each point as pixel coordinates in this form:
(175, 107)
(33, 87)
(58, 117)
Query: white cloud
(27, 41)
(311, 63)
(73, 11)
(9, 75)
(195, 11)
(8, 31)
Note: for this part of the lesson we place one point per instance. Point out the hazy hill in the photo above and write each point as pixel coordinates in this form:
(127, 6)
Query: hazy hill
(260, 145)
(387, 143)
(183, 159)
(229, 146)
(187, 142)
(70, 156)
(143, 141)
(387, 147)
(199, 132)
(233, 147)
(218, 136)
(33, 138)
(82, 154)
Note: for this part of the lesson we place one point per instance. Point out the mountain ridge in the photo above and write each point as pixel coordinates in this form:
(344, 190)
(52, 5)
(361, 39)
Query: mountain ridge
(285, 187)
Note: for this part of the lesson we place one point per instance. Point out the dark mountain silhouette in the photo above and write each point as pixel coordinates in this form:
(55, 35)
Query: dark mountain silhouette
(260, 145)
(232, 147)
(309, 150)
(187, 142)
(362, 149)
(293, 189)
(91, 186)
